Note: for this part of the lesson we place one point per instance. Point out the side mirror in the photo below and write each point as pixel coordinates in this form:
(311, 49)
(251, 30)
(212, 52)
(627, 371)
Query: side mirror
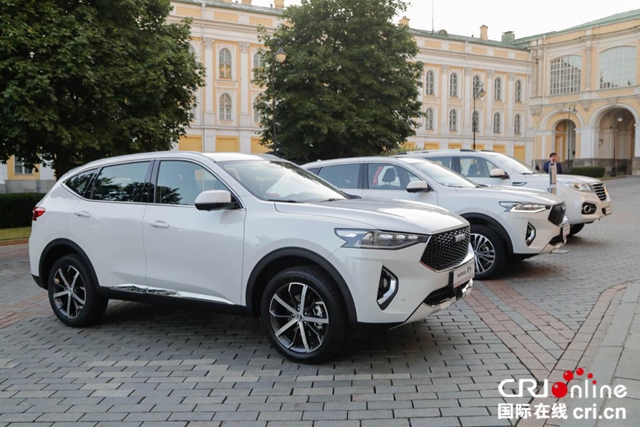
(418, 187)
(498, 173)
(214, 200)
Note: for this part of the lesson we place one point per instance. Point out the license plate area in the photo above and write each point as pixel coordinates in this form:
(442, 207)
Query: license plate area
(608, 210)
(566, 228)
(462, 274)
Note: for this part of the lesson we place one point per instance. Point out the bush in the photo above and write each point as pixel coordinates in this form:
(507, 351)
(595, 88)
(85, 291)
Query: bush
(16, 209)
(592, 171)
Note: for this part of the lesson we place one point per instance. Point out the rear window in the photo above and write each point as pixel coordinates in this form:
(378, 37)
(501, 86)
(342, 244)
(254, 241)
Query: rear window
(122, 183)
(79, 183)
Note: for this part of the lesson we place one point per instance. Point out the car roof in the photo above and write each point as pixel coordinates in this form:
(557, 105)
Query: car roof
(351, 160)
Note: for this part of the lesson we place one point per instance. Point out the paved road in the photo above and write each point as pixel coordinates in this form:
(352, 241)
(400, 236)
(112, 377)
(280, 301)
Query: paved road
(146, 365)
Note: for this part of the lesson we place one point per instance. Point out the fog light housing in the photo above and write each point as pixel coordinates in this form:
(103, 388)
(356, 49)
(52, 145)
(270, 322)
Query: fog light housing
(589, 208)
(387, 288)
(531, 234)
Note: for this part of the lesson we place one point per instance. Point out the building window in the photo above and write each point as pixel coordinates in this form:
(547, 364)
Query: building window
(256, 112)
(618, 67)
(453, 120)
(496, 123)
(565, 74)
(430, 83)
(225, 108)
(497, 89)
(518, 90)
(453, 85)
(429, 118)
(19, 168)
(257, 60)
(517, 125)
(225, 63)
(474, 121)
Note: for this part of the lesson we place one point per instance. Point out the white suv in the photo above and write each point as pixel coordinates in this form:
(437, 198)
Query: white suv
(252, 234)
(587, 198)
(506, 223)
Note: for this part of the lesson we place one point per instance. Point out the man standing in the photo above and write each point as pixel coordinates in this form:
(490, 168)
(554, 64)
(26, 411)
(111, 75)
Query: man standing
(553, 158)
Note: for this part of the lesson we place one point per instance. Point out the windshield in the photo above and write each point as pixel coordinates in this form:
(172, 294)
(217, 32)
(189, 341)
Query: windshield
(441, 175)
(280, 181)
(515, 165)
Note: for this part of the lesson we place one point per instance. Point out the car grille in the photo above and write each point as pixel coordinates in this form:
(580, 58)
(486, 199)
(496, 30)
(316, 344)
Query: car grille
(556, 215)
(600, 190)
(444, 252)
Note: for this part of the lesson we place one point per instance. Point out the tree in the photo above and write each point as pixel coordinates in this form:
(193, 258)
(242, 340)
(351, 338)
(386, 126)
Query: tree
(348, 86)
(85, 79)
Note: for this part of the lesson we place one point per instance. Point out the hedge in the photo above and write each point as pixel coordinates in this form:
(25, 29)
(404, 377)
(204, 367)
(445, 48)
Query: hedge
(16, 209)
(592, 171)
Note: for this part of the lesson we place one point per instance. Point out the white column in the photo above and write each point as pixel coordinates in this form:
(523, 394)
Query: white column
(209, 110)
(245, 141)
(587, 69)
(488, 130)
(467, 102)
(209, 140)
(636, 152)
(588, 141)
(444, 96)
(245, 79)
(510, 114)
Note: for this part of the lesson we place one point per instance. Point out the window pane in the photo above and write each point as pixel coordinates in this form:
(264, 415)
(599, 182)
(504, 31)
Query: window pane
(122, 183)
(442, 161)
(383, 176)
(518, 91)
(453, 85)
(472, 167)
(180, 183)
(565, 74)
(517, 125)
(497, 90)
(342, 176)
(618, 67)
(79, 183)
(429, 83)
(225, 63)
(429, 118)
(453, 120)
(19, 167)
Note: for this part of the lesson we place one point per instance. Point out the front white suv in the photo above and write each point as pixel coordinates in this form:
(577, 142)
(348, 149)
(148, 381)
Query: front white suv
(506, 223)
(252, 234)
(587, 198)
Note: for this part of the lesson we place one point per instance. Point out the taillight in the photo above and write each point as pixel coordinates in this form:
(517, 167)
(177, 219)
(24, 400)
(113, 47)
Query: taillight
(37, 213)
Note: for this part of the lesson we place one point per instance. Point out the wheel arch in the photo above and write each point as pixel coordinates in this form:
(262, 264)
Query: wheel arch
(481, 219)
(279, 259)
(57, 249)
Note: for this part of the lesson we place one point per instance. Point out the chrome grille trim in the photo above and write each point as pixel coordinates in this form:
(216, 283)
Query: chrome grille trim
(600, 190)
(443, 252)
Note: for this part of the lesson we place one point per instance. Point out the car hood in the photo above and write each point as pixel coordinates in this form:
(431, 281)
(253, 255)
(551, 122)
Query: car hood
(512, 194)
(578, 178)
(386, 215)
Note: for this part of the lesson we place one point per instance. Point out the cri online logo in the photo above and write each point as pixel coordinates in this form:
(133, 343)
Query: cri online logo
(560, 389)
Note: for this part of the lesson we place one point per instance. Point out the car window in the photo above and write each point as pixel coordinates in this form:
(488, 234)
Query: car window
(180, 183)
(122, 183)
(442, 161)
(476, 167)
(386, 176)
(342, 176)
(79, 184)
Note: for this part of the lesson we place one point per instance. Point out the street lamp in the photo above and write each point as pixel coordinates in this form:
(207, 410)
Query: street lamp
(280, 56)
(614, 171)
(478, 92)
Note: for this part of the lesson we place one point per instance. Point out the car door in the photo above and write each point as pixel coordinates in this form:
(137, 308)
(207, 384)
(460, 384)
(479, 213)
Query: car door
(389, 181)
(197, 253)
(107, 224)
(478, 170)
(347, 177)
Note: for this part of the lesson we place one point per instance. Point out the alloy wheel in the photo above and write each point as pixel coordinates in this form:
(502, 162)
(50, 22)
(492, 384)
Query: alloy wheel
(485, 252)
(69, 293)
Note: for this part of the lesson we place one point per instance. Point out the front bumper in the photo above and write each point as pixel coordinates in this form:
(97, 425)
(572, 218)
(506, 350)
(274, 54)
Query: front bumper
(584, 207)
(548, 236)
(440, 300)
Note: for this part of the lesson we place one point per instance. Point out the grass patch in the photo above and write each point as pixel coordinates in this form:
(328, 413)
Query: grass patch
(14, 233)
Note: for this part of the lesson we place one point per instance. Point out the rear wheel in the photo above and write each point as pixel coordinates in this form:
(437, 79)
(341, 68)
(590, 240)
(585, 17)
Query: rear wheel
(575, 229)
(304, 315)
(490, 251)
(72, 293)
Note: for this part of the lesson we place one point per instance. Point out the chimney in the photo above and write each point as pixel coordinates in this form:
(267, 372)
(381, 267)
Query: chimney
(483, 33)
(508, 37)
(246, 1)
(404, 21)
(279, 4)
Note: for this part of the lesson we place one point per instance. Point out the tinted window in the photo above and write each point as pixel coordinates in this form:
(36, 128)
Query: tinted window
(79, 184)
(342, 176)
(475, 167)
(442, 161)
(384, 176)
(122, 183)
(180, 183)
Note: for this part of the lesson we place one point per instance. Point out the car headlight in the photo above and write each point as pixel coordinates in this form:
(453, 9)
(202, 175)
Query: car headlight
(580, 186)
(375, 239)
(523, 207)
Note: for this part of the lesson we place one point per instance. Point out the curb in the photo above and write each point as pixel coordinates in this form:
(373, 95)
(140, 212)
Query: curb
(14, 242)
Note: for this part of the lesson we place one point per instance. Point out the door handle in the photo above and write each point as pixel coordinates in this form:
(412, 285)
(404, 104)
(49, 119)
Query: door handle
(83, 214)
(159, 224)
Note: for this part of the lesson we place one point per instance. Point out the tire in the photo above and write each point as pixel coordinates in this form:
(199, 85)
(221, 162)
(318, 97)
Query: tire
(70, 274)
(490, 251)
(575, 229)
(284, 322)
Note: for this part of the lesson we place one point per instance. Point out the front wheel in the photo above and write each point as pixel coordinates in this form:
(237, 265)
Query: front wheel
(490, 251)
(575, 229)
(304, 315)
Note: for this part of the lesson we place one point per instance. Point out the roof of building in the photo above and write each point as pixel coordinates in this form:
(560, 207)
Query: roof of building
(235, 6)
(612, 19)
(442, 34)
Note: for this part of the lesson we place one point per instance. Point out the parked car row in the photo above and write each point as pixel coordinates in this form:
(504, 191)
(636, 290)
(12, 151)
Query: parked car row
(378, 240)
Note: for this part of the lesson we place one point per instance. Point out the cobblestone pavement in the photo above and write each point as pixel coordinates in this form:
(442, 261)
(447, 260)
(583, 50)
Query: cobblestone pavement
(149, 365)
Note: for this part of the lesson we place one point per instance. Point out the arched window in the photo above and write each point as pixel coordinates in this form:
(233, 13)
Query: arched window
(474, 122)
(225, 63)
(429, 83)
(429, 118)
(518, 90)
(618, 67)
(496, 123)
(257, 60)
(497, 89)
(453, 120)
(453, 85)
(225, 108)
(517, 125)
(565, 74)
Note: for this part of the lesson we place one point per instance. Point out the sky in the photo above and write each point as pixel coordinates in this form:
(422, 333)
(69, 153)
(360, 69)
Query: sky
(525, 18)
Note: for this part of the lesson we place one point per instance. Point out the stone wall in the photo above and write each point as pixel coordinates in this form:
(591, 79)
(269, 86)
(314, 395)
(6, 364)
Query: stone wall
(30, 186)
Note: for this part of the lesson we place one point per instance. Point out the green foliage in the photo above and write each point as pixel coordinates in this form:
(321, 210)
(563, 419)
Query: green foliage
(16, 209)
(348, 86)
(82, 80)
(592, 171)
